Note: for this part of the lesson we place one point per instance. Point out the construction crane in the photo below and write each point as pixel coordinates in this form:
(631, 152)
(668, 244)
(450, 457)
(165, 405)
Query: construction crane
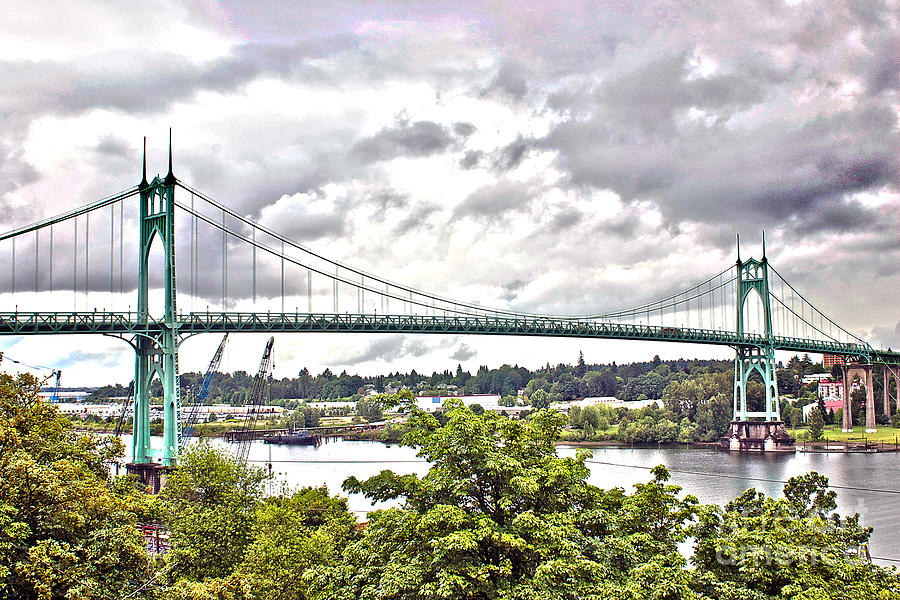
(54, 397)
(187, 429)
(128, 400)
(257, 395)
(57, 373)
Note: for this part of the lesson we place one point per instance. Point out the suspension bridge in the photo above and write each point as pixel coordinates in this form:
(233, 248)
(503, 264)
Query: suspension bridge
(747, 306)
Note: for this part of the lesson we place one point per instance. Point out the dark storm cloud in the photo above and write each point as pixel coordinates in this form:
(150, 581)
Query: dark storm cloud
(471, 159)
(765, 175)
(111, 146)
(15, 172)
(882, 66)
(463, 129)
(420, 138)
(416, 218)
(145, 81)
(838, 217)
(463, 353)
(511, 155)
(511, 80)
(312, 226)
(565, 219)
(494, 200)
(386, 349)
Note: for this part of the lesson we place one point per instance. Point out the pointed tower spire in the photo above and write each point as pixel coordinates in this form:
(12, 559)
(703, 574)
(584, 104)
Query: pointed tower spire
(170, 178)
(739, 249)
(144, 174)
(764, 246)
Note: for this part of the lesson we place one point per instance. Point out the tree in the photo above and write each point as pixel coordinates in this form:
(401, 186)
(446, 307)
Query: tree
(540, 399)
(67, 529)
(499, 515)
(816, 425)
(369, 408)
(208, 501)
(600, 383)
(791, 547)
(797, 417)
(580, 367)
(292, 533)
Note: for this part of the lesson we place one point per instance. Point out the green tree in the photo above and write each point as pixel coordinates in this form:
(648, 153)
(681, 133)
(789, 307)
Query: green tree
(540, 399)
(791, 547)
(67, 529)
(369, 408)
(816, 425)
(796, 416)
(292, 533)
(499, 515)
(209, 501)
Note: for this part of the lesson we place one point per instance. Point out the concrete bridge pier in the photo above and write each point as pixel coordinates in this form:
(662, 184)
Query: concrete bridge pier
(864, 372)
(890, 372)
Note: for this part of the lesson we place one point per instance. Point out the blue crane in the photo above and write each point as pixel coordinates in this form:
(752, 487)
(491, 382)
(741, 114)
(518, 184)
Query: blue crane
(188, 427)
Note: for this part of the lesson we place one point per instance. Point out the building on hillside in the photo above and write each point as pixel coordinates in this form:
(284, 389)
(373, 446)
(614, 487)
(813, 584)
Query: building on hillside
(807, 379)
(610, 401)
(831, 405)
(830, 360)
(65, 396)
(830, 388)
(487, 401)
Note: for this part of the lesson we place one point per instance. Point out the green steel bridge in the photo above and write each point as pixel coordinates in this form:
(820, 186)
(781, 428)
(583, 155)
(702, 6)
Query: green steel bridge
(747, 306)
(127, 325)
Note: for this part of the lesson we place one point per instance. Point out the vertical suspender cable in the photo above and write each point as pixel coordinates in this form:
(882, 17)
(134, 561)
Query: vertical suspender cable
(37, 241)
(335, 285)
(87, 264)
(121, 246)
(224, 264)
(14, 267)
(309, 289)
(193, 251)
(75, 266)
(112, 251)
(282, 274)
(50, 283)
(253, 246)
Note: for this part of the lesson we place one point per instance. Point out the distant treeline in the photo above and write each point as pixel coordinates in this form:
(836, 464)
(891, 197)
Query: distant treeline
(631, 381)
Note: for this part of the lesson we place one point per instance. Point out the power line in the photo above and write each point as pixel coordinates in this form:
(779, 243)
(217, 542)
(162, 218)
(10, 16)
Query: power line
(741, 477)
(596, 462)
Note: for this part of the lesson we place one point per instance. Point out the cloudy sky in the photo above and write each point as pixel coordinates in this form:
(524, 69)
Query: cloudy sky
(555, 157)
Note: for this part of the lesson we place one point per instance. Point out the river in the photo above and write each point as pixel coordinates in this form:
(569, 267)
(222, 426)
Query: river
(714, 477)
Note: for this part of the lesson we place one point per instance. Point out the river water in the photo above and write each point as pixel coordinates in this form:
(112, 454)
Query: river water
(712, 476)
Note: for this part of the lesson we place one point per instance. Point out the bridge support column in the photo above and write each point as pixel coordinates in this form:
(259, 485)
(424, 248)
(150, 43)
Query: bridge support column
(864, 372)
(157, 347)
(745, 434)
(761, 360)
(886, 378)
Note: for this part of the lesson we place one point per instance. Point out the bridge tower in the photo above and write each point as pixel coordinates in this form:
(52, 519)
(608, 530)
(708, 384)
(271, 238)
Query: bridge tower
(157, 353)
(753, 276)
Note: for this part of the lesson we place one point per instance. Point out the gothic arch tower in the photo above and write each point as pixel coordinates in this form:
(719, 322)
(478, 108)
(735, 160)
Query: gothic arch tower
(753, 280)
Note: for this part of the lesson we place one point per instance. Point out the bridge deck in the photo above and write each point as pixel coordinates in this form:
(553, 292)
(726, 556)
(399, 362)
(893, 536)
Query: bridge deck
(127, 324)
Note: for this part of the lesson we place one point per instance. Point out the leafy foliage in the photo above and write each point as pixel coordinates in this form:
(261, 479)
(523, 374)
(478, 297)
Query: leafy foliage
(499, 515)
(209, 502)
(67, 529)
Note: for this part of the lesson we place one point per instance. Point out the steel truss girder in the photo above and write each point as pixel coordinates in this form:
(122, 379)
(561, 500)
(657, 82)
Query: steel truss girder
(126, 324)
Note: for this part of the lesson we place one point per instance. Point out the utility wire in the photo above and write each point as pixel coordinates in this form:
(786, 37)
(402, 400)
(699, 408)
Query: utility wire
(741, 477)
(592, 461)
